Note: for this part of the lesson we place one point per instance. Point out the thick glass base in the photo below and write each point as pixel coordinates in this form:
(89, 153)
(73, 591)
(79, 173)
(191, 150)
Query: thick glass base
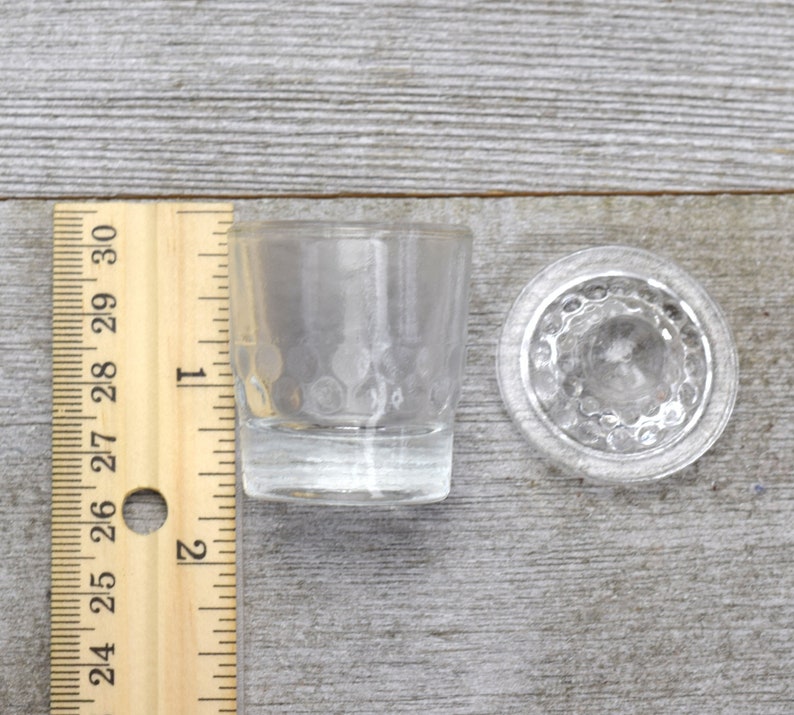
(326, 465)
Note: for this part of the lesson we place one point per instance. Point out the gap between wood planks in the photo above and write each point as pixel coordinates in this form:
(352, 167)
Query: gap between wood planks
(495, 194)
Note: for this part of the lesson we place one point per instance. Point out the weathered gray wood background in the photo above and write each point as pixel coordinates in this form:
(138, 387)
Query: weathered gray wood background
(527, 591)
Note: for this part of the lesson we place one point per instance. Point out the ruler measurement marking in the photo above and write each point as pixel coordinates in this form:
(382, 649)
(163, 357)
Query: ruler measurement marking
(223, 212)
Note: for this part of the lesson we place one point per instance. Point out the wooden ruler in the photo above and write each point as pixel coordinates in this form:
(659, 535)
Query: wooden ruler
(143, 399)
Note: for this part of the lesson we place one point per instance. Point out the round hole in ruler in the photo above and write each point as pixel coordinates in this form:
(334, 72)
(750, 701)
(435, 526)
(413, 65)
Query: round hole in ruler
(144, 511)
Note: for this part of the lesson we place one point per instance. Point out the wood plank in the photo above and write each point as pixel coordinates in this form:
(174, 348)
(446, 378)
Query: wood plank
(527, 590)
(234, 98)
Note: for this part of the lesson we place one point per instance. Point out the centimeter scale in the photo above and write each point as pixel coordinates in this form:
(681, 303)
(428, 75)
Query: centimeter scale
(142, 623)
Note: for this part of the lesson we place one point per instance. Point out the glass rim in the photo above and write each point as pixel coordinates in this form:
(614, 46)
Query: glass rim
(331, 230)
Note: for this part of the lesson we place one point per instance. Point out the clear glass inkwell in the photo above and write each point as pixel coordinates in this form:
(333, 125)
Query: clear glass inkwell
(618, 365)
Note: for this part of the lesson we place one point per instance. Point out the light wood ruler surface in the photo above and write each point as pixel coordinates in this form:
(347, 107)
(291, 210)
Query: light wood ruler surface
(142, 623)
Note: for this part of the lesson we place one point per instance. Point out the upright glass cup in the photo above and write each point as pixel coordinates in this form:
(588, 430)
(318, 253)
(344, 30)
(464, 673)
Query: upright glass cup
(348, 348)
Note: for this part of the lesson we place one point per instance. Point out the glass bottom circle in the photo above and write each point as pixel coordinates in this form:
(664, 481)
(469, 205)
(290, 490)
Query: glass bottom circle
(619, 364)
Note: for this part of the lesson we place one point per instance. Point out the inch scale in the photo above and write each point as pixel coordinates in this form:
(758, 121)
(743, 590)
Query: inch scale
(143, 400)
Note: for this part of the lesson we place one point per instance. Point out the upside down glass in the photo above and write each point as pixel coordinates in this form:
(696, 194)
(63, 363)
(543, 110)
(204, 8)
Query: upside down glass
(348, 348)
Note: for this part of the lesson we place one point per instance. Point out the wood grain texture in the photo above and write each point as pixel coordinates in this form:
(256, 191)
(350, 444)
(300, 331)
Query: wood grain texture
(527, 591)
(236, 97)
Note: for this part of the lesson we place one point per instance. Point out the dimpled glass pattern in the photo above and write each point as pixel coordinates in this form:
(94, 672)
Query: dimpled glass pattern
(619, 364)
